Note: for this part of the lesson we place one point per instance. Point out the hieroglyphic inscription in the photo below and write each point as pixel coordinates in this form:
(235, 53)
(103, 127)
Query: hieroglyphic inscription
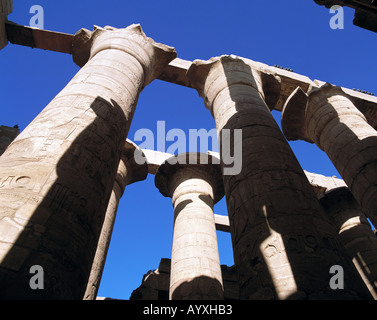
(61, 197)
(9, 182)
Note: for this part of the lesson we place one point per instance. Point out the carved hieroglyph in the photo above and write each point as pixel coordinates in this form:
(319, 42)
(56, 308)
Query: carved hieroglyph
(194, 189)
(283, 244)
(57, 176)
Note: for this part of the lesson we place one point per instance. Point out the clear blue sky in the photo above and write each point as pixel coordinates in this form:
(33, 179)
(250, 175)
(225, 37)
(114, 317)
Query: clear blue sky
(294, 34)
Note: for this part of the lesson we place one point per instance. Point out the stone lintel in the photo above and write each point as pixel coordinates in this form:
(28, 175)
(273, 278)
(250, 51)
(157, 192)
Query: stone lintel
(38, 38)
(135, 171)
(321, 183)
(222, 223)
(176, 70)
(154, 159)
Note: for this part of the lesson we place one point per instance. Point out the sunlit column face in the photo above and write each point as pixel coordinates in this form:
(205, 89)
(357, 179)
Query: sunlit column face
(60, 170)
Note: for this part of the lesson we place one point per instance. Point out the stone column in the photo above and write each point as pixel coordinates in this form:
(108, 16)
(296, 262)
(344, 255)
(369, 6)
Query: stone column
(7, 135)
(6, 8)
(58, 174)
(354, 233)
(328, 117)
(128, 172)
(283, 244)
(194, 188)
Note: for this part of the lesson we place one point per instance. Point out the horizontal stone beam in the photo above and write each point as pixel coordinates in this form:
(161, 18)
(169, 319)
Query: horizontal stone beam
(38, 38)
(222, 223)
(175, 72)
(322, 184)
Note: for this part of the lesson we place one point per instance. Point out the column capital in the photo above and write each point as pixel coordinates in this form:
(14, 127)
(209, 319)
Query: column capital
(342, 205)
(336, 196)
(129, 171)
(212, 76)
(132, 40)
(166, 179)
(294, 117)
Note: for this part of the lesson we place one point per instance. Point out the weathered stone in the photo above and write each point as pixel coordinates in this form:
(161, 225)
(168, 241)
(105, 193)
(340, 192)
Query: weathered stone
(155, 284)
(6, 7)
(283, 244)
(58, 174)
(332, 121)
(354, 233)
(128, 172)
(194, 189)
(7, 135)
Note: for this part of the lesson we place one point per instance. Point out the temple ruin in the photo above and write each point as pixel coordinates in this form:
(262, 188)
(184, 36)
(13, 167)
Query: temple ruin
(69, 168)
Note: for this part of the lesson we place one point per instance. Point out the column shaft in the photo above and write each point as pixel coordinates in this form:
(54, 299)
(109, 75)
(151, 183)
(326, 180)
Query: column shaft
(195, 265)
(334, 123)
(128, 172)
(103, 244)
(57, 176)
(283, 244)
(6, 7)
(354, 233)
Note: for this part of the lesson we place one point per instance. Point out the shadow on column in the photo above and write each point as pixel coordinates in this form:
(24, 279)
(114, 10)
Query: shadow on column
(274, 214)
(180, 207)
(63, 231)
(354, 233)
(200, 287)
(358, 168)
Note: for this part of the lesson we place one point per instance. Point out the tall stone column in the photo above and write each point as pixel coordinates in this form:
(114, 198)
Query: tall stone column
(283, 244)
(7, 135)
(354, 233)
(194, 188)
(6, 7)
(58, 174)
(328, 117)
(128, 172)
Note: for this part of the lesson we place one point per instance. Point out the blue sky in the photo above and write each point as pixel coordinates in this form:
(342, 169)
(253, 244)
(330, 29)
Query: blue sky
(294, 34)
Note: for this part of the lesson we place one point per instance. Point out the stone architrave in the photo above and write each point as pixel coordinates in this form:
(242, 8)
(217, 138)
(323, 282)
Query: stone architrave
(354, 233)
(58, 174)
(128, 172)
(328, 117)
(283, 244)
(194, 188)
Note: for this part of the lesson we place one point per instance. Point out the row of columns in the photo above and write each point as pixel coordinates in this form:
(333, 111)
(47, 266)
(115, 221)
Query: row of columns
(284, 245)
(61, 171)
